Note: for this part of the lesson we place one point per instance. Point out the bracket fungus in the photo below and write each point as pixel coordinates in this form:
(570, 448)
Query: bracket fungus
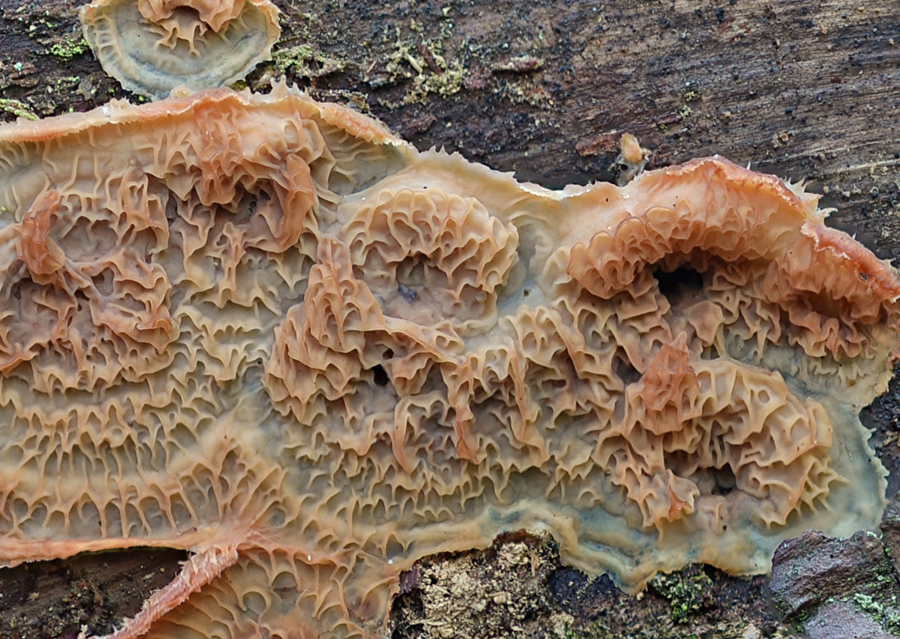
(269, 332)
(153, 46)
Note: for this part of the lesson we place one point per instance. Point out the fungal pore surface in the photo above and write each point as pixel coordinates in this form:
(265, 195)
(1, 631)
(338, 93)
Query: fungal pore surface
(154, 46)
(269, 332)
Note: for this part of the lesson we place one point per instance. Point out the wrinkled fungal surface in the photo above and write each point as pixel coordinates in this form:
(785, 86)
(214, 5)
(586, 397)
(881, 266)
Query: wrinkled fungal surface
(154, 46)
(267, 331)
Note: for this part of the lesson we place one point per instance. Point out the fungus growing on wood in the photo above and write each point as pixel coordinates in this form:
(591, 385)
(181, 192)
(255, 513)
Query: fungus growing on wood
(268, 332)
(154, 46)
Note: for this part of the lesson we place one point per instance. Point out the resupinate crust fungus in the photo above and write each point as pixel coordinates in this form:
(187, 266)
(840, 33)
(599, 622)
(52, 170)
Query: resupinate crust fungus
(154, 46)
(269, 332)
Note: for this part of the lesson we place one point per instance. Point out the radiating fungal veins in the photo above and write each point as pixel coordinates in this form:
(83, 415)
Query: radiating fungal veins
(268, 332)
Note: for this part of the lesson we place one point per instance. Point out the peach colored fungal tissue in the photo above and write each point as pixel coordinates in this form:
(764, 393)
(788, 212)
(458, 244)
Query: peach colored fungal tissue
(269, 332)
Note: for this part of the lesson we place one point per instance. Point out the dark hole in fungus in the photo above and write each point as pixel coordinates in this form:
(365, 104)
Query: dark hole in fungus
(407, 293)
(171, 210)
(411, 271)
(724, 479)
(824, 304)
(380, 375)
(715, 481)
(103, 282)
(625, 371)
(710, 480)
(81, 299)
(680, 286)
(248, 204)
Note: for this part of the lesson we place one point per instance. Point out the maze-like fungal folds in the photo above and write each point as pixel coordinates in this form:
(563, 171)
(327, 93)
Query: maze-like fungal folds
(267, 331)
(154, 46)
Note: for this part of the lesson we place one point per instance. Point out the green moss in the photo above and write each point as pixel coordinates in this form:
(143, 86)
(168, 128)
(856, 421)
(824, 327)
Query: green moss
(66, 83)
(305, 62)
(447, 83)
(425, 62)
(685, 592)
(889, 618)
(18, 109)
(69, 48)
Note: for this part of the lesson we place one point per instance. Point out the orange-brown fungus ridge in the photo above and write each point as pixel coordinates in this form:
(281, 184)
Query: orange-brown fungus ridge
(154, 46)
(269, 332)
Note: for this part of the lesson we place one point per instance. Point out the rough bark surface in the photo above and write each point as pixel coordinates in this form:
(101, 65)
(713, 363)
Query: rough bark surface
(543, 88)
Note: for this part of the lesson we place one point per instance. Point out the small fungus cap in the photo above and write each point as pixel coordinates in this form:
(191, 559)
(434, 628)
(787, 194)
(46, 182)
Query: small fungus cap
(153, 46)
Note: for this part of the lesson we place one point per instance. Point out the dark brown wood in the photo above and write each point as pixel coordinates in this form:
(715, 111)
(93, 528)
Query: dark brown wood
(56, 598)
(544, 88)
(808, 91)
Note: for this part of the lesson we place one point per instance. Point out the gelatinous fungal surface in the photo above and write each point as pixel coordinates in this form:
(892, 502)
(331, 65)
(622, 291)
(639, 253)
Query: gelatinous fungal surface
(267, 331)
(154, 46)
